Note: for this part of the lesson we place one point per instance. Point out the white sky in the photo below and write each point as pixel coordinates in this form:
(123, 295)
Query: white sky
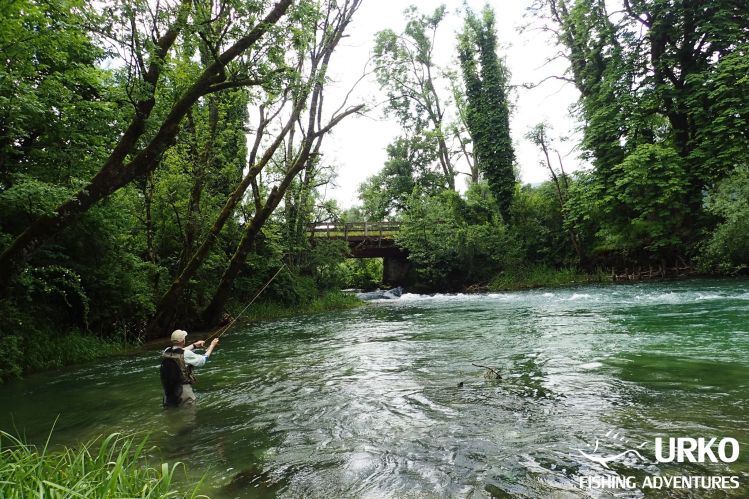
(357, 146)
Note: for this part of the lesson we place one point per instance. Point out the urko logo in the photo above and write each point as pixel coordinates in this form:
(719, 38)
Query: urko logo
(697, 450)
(614, 447)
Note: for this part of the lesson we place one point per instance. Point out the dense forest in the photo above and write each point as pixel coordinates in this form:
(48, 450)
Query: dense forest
(159, 162)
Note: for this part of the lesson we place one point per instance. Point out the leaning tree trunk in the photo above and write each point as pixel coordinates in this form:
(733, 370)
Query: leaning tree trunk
(332, 34)
(166, 310)
(213, 313)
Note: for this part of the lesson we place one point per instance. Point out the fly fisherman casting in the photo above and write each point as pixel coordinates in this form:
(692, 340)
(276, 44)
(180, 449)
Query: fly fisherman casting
(178, 361)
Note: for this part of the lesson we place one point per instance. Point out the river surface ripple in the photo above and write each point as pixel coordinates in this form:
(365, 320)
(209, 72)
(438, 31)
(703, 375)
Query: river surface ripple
(366, 402)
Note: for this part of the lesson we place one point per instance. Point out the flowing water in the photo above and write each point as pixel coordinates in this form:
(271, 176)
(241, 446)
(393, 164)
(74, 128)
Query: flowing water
(366, 402)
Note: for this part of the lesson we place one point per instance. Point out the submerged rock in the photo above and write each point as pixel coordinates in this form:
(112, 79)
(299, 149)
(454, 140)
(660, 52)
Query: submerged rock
(381, 294)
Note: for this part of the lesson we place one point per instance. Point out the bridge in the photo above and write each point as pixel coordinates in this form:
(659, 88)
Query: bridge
(369, 240)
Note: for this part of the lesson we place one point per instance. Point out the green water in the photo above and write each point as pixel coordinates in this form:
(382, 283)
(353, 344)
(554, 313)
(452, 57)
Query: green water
(365, 402)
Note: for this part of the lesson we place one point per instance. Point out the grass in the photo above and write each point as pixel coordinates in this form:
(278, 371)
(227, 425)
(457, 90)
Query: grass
(332, 300)
(543, 277)
(108, 467)
(51, 352)
(41, 350)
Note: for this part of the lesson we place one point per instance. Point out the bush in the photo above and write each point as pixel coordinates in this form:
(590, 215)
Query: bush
(453, 242)
(363, 273)
(727, 249)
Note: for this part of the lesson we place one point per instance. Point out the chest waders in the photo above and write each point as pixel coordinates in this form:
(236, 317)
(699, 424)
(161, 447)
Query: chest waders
(174, 373)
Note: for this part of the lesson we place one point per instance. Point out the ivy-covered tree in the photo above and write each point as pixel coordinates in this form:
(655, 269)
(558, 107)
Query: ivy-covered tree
(487, 112)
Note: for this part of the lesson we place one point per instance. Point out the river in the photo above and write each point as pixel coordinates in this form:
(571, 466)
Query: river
(367, 402)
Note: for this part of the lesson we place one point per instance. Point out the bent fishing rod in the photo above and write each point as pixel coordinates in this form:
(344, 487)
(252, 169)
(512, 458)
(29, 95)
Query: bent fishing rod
(221, 331)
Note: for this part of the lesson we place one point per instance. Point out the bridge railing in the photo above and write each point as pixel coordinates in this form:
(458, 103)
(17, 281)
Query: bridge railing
(349, 229)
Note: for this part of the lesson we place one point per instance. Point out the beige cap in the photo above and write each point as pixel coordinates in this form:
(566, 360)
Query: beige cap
(178, 336)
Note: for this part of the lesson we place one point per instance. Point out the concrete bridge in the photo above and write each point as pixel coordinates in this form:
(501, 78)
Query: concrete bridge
(370, 240)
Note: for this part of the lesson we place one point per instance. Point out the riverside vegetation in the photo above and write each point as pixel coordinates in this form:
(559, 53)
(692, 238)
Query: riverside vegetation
(112, 466)
(165, 188)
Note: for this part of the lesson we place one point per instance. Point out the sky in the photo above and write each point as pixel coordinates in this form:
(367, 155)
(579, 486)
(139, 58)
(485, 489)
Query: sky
(357, 146)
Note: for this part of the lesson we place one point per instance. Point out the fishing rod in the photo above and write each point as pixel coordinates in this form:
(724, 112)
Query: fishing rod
(221, 332)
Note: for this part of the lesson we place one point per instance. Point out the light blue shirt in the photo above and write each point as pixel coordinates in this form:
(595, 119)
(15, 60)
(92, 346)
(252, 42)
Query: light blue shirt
(195, 359)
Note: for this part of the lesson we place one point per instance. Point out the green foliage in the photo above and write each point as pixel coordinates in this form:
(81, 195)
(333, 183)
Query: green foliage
(720, 105)
(108, 467)
(33, 341)
(642, 216)
(409, 166)
(363, 273)
(324, 263)
(541, 276)
(727, 248)
(54, 102)
(452, 241)
(487, 112)
(537, 226)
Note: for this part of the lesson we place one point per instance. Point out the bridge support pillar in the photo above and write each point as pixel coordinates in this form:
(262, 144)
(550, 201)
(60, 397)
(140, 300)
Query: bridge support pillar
(395, 270)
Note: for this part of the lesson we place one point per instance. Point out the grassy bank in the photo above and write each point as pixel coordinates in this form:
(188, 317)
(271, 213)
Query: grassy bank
(108, 467)
(331, 300)
(43, 351)
(543, 277)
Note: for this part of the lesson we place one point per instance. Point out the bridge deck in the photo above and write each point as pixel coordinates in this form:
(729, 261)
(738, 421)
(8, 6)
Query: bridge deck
(355, 230)
(365, 239)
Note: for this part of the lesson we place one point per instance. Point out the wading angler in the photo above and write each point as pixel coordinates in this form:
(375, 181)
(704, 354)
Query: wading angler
(177, 363)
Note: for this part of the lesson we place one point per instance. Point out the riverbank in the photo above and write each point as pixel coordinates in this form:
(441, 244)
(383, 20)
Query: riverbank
(544, 277)
(331, 300)
(44, 350)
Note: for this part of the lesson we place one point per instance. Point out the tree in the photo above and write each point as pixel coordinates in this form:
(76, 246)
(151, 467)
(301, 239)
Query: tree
(406, 70)
(408, 166)
(642, 218)
(487, 112)
(452, 241)
(727, 248)
(327, 37)
(137, 153)
(539, 135)
(663, 73)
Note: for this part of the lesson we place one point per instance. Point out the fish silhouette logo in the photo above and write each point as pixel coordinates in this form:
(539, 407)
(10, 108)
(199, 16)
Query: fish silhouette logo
(610, 450)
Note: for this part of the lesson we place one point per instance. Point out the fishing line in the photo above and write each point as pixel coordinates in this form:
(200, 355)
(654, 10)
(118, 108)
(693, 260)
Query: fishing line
(220, 332)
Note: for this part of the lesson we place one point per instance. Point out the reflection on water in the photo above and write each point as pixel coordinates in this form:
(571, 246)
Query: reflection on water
(366, 403)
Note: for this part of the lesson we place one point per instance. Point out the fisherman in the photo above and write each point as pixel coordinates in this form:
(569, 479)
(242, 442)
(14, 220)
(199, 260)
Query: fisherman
(177, 363)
